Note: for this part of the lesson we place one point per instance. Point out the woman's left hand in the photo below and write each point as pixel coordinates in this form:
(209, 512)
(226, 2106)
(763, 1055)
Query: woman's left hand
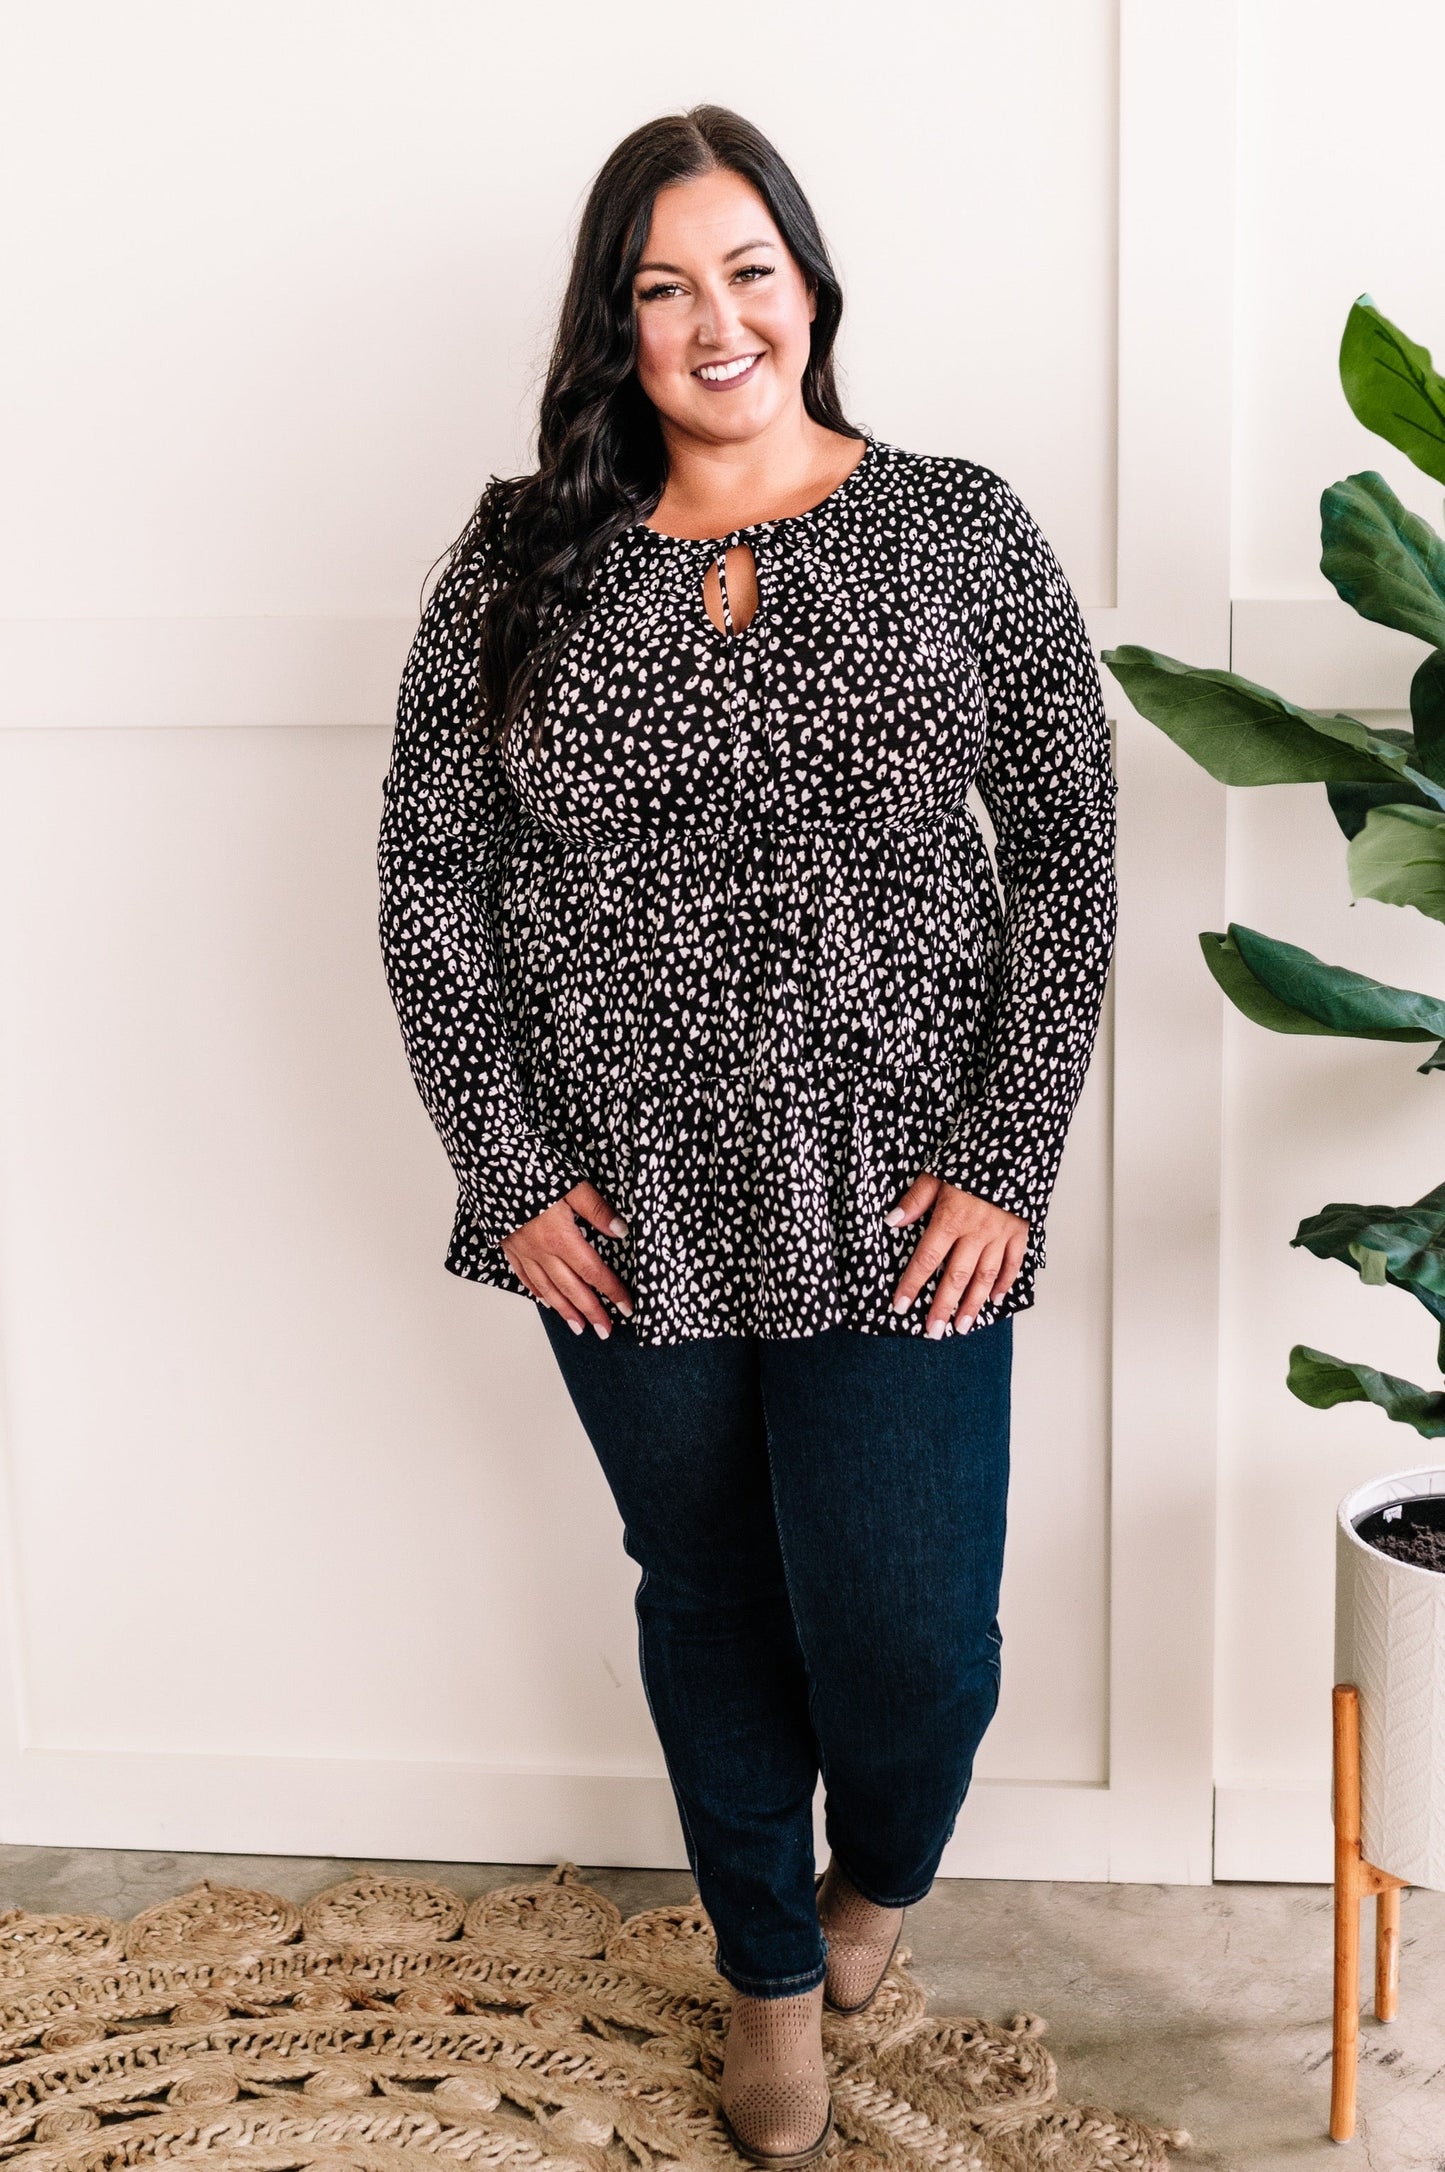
(982, 1244)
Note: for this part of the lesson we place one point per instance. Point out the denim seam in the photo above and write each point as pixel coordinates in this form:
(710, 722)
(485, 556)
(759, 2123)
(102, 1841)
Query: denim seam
(809, 1980)
(750, 1986)
(808, 1675)
(689, 1842)
(777, 1987)
(910, 1901)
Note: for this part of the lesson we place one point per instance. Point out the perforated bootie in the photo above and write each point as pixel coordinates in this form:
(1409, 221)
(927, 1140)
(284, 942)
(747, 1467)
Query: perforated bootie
(862, 1940)
(775, 2100)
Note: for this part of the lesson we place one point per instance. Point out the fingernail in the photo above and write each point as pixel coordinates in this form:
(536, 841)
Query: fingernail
(617, 1226)
(893, 1217)
(576, 1326)
(965, 1323)
(935, 1332)
(901, 1304)
(626, 1311)
(603, 1327)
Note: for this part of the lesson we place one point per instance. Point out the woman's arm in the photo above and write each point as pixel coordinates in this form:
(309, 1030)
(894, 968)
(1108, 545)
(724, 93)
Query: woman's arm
(1048, 784)
(447, 814)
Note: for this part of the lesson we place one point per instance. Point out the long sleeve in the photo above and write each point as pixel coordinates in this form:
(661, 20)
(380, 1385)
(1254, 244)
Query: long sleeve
(1048, 784)
(447, 814)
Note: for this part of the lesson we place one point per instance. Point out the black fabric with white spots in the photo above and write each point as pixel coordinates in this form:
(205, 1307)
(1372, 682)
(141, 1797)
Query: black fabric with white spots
(726, 939)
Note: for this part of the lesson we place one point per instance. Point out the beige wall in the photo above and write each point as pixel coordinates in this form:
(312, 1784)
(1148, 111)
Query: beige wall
(302, 1545)
(289, 269)
(301, 1531)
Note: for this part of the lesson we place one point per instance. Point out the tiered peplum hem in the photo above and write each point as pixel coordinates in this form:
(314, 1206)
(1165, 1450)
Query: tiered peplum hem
(779, 1228)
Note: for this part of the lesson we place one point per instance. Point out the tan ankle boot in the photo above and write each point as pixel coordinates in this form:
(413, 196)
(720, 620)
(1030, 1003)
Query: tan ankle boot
(862, 1940)
(776, 2104)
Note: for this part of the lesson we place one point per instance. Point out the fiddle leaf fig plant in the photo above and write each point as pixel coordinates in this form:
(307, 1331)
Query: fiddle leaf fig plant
(1386, 791)
(1393, 388)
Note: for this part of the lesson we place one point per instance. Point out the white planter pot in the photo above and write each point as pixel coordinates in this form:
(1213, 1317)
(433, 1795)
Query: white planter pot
(1390, 1642)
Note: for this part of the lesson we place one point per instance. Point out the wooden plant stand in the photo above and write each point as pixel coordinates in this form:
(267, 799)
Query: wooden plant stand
(1355, 1880)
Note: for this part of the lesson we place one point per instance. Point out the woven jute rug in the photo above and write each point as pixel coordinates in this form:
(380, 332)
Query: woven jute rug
(389, 2021)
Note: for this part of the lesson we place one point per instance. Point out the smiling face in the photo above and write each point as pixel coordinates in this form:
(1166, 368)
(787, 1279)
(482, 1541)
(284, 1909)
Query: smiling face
(723, 311)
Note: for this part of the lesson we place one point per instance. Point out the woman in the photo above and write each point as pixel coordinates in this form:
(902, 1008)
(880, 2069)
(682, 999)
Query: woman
(746, 1074)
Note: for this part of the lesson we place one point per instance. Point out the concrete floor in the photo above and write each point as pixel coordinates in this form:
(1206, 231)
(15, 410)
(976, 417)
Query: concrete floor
(1206, 2007)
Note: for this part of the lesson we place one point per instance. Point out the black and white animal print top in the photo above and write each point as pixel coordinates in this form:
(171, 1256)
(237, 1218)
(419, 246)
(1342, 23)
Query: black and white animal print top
(726, 939)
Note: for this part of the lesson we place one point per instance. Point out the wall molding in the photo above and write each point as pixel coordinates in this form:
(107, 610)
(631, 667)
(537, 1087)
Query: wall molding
(147, 674)
(466, 1812)
(1321, 654)
(119, 673)
(1274, 1835)
(1175, 350)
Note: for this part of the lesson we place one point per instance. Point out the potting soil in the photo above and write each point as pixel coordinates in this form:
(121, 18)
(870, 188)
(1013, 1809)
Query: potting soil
(1412, 1531)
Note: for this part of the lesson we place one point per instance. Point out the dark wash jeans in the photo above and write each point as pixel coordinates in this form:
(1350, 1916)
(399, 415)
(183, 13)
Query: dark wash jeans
(819, 1523)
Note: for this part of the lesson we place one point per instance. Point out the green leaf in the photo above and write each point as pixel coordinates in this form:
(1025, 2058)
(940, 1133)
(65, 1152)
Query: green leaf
(1427, 712)
(1351, 803)
(1386, 562)
(1249, 995)
(1410, 1241)
(1322, 1381)
(1244, 734)
(1288, 990)
(1393, 387)
(1399, 858)
(1330, 998)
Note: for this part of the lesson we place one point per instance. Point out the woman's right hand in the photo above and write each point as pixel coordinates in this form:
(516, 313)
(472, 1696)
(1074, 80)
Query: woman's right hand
(553, 1258)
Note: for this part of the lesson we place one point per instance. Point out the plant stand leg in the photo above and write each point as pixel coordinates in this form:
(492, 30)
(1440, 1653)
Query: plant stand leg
(1346, 2048)
(1355, 1879)
(1387, 1952)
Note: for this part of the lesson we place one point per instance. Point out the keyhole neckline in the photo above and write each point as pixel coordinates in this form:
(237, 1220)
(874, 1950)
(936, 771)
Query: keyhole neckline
(707, 547)
(728, 631)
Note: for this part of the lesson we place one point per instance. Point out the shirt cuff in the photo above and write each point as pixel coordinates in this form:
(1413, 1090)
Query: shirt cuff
(531, 1177)
(996, 1160)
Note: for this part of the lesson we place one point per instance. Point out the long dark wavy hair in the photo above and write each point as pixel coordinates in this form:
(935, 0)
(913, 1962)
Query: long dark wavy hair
(535, 540)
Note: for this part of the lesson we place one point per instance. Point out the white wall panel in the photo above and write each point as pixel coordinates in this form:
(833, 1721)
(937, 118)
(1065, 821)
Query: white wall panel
(1338, 122)
(280, 1487)
(287, 270)
(305, 1549)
